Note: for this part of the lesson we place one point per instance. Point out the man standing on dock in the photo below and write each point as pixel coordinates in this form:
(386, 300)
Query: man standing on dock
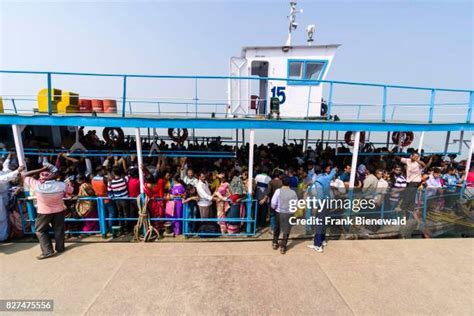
(49, 194)
(281, 201)
(321, 189)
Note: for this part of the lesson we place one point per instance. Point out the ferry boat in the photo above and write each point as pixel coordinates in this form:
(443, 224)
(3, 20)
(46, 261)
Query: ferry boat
(268, 88)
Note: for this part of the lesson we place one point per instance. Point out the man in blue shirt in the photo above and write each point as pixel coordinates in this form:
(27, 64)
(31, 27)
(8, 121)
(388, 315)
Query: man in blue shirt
(346, 175)
(321, 190)
(452, 181)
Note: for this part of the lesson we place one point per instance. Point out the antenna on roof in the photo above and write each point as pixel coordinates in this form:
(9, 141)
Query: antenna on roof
(292, 21)
(310, 29)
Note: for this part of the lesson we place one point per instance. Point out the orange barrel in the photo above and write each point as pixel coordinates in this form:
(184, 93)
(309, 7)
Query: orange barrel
(110, 106)
(97, 106)
(85, 106)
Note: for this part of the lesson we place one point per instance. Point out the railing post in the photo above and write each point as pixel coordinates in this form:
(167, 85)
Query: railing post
(469, 108)
(102, 223)
(432, 104)
(14, 106)
(328, 113)
(305, 144)
(254, 221)
(355, 156)
(446, 144)
(309, 102)
(384, 104)
(393, 112)
(20, 153)
(461, 139)
(124, 96)
(196, 95)
(469, 159)
(138, 141)
(185, 219)
(250, 180)
(31, 215)
(50, 103)
(420, 144)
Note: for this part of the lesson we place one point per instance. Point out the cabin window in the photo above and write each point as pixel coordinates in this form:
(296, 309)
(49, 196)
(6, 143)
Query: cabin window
(296, 70)
(306, 69)
(313, 70)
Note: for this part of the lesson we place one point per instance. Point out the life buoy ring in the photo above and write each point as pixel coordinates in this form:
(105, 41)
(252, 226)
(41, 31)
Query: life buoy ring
(28, 133)
(350, 141)
(403, 139)
(113, 135)
(178, 135)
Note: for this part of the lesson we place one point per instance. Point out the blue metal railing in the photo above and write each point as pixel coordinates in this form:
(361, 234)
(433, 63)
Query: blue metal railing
(387, 208)
(126, 153)
(106, 222)
(197, 101)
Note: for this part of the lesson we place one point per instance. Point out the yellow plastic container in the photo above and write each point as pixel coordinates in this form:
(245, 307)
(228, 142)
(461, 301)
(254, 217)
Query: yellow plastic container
(1, 105)
(69, 102)
(43, 100)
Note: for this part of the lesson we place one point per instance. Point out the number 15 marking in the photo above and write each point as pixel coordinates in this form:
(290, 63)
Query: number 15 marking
(279, 92)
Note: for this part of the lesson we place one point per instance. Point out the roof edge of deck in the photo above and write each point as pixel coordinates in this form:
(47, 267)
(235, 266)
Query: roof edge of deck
(215, 123)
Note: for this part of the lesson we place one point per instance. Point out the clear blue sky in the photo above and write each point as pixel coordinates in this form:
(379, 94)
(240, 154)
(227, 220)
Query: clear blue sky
(410, 42)
(424, 43)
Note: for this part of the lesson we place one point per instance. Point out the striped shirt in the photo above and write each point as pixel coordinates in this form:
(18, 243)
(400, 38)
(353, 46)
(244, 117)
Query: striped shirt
(398, 186)
(118, 188)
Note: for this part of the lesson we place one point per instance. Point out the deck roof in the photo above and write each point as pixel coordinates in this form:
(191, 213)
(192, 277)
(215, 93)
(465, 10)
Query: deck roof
(133, 121)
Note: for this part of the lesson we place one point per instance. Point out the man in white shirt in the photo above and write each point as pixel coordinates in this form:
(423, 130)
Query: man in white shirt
(5, 165)
(5, 177)
(205, 196)
(414, 170)
(371, 181)
(382, 187)
(187, 174)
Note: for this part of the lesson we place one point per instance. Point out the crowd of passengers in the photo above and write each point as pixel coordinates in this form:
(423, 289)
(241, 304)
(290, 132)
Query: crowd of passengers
(219, 187)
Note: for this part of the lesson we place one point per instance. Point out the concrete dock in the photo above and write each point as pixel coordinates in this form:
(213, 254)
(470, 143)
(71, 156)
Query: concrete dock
(360, 277)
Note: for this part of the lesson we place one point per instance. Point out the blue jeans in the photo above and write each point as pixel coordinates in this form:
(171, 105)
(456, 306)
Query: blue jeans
(272, 219)
(320, 234)
(193, 212)
(110, 212)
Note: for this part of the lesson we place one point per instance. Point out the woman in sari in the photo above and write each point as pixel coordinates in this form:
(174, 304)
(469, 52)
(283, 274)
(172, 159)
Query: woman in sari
(221, 197)
(154, 191)
(86, 209)
(237, 191)
(177, 193)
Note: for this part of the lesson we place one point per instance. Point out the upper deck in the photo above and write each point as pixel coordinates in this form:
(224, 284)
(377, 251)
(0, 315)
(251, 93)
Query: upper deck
(205, 102)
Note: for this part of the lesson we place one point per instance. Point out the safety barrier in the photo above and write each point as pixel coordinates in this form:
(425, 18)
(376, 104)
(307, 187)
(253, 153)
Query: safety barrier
(420, 211)
(433, 101)
(422, 205)
(107, 217)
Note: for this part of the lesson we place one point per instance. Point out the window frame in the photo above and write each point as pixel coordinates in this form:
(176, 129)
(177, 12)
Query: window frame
(305, 82)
